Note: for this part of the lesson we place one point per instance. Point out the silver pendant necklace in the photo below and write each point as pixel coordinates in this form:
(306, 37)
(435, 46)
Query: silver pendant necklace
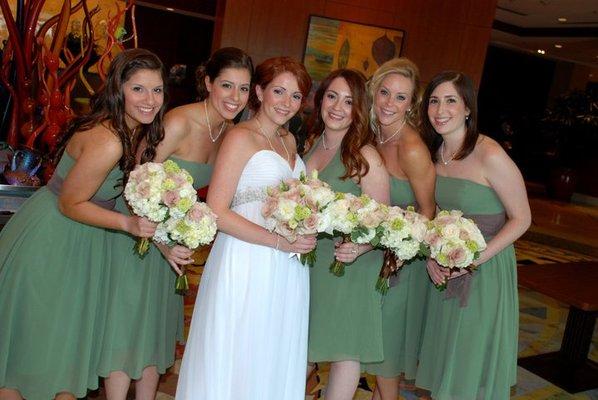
(205, 107)
(261, 131)
(442, 160)
(382, 141)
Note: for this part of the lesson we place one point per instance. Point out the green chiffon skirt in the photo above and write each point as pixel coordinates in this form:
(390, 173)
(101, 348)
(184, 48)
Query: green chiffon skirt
(470, 352)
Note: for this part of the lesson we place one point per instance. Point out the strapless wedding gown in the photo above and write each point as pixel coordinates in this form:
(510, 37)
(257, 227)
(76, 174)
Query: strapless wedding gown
(248, 337)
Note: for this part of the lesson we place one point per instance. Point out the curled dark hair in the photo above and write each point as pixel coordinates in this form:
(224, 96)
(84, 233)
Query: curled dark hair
(108, 105)
(226, 57)
(466, 90)
(359, 133)
(270, 69)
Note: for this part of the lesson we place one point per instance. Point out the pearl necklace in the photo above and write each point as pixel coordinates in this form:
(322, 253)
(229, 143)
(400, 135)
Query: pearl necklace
(324, 142)
(442, 160)
(382, 141)
(205, 107)
(261, 131)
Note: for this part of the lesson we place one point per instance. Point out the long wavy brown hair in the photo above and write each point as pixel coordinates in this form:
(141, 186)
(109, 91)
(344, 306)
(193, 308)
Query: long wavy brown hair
(108, 106)
(359, 133)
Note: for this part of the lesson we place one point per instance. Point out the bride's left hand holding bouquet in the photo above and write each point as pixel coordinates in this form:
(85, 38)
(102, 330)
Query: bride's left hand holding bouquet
(295, 207)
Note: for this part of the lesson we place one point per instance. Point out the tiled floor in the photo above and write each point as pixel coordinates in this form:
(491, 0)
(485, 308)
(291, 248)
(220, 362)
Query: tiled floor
(560, 232)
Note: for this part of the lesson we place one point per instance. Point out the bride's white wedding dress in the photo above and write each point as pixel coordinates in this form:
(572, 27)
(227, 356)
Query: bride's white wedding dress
(248, 337)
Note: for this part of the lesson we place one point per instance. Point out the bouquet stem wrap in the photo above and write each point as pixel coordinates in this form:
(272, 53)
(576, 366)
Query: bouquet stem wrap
(142, 246)
(182, 284)
(308, 259)
(390, 267)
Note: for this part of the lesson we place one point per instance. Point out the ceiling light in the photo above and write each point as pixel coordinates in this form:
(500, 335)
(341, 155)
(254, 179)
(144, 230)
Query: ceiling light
(558, 46)
(562, 19)
(540, 51)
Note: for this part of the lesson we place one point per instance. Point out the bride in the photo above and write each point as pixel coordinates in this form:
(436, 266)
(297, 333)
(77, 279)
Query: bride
(248, 337)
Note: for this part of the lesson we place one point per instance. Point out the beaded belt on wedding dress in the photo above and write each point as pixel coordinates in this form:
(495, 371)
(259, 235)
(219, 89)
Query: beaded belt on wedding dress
(249, 195)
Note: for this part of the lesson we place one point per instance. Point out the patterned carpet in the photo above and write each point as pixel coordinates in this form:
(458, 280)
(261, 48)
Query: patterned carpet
(542, 322)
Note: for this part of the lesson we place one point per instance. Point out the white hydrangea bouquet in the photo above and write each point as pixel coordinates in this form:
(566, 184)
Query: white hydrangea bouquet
(455, 242)
(402, 234)
(295, 207)
(356, 219)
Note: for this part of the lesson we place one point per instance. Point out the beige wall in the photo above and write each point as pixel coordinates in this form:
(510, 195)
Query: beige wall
(440, 34)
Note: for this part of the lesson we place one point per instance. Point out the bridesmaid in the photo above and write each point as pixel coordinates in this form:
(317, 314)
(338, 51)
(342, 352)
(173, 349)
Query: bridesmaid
(54, 252)
(395, 91)
(345, 326)
(145, 315)
(469, 348)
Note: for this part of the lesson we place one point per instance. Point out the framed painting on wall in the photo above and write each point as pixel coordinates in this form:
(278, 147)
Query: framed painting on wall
(333, 43)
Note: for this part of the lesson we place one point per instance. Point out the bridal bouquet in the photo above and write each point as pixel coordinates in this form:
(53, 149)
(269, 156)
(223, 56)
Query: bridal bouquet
(158, 191)
(356, 219)
(402, 234)
(295, 207)
(196, 228)
(454, 241)
(164, 193)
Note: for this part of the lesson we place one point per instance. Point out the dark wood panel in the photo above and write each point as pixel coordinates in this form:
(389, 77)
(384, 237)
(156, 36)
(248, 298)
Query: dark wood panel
(207, 7)
(358, 14)
(440, 34)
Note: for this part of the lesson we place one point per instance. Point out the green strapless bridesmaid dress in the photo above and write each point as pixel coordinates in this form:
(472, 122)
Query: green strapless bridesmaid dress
(144, 316)
(52, 281)
(404, 306)
(345, 312)
(469, 351)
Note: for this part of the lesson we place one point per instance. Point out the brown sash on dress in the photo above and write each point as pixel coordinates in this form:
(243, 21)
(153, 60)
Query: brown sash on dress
(55, 186)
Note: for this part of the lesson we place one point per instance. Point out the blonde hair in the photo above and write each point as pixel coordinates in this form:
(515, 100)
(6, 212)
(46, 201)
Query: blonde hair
(407, 68)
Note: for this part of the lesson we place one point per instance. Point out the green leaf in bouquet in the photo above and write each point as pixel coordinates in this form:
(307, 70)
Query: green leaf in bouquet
(359, 232)
(424, 250)
(375, 241)
(442, 287)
